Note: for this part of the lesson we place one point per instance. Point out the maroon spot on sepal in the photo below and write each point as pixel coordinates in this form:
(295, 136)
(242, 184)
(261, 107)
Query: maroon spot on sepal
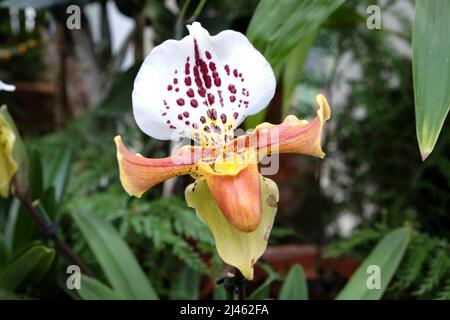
(201, 92)
(194, 103)
(219, 92)
(165, 104)
(190, 93)
(211, 98)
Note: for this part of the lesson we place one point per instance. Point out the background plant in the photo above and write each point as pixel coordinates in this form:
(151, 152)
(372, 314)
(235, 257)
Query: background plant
(373, 172)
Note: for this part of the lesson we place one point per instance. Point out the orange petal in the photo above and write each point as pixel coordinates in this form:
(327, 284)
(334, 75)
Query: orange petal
(291, 136)
(138, 174)
(237, 192)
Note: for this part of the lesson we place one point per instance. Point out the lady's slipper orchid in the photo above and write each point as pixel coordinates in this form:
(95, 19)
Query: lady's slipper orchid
(8, 165)
(203, 87)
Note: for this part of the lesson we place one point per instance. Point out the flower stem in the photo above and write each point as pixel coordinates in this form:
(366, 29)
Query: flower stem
(49, 230)
(240, 284)
(229, 294)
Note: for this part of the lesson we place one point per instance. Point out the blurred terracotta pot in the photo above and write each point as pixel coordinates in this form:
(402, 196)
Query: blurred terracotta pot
(283, 257)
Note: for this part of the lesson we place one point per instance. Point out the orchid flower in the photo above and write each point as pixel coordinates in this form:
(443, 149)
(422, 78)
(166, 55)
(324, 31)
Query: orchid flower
(8, 165)
(202, 87)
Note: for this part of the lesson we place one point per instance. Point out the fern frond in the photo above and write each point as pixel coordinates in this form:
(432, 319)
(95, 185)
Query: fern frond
(411, 268)
(438, 267)
(356, 239)
(444, 294)
(185, 253)
(170, 225)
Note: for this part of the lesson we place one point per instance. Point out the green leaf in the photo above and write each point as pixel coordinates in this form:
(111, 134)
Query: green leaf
(92, 289)
(24, 230)
(295, 286)
(431, 70)
(262, 292)
(219, 293)
(115, 258)
(277, 26)
(118, 101)
(48, 206)
(10, 225)
(36, 175)
(186, 285)
(3, 251)
(387, 256)
(344, 17)
(32, 263)
(57, 172)
(294, 64)
(8, 295)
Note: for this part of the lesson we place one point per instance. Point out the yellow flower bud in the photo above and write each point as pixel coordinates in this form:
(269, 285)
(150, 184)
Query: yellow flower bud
(8, 166)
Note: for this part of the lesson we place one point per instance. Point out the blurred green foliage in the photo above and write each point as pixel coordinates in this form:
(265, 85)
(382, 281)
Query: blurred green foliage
(380, 175)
